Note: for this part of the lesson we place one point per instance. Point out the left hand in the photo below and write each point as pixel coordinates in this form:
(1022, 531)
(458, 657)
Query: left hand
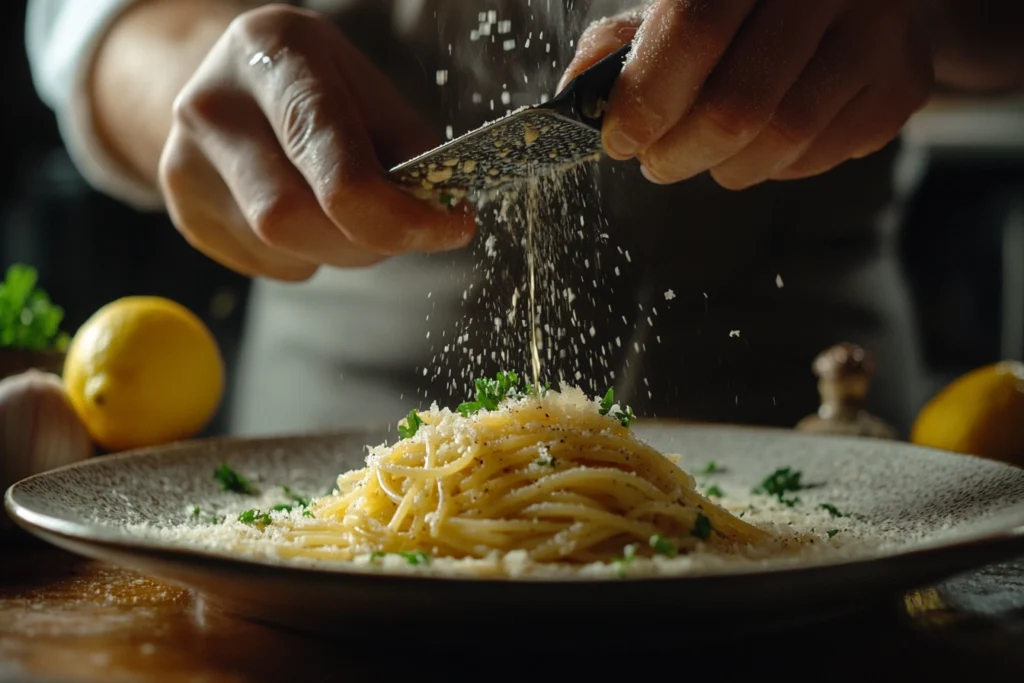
(753, 90)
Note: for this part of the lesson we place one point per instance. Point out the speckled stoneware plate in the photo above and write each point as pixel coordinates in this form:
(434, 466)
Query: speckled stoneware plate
(913, 516)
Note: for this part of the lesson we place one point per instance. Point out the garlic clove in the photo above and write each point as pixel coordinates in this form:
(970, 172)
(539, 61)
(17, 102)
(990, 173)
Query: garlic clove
(39, 429)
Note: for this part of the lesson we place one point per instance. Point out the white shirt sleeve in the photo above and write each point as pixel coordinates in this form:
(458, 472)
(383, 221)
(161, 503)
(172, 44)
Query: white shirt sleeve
(61, 38)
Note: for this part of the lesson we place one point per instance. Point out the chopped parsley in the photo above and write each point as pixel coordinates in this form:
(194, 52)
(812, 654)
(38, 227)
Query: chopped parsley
(446, 199)
(254, 518)
(491, 392)
(832, 532)
(411, 426)
(307, 513)
(712, 468)
(195, 510)
(663, 546)
(713, 490)
(233, 481)
(702, 527)
(628, 555)
(301, 501)
(28, 319)
(416, 557)
(780, 482)
(281, 507)
(607, 402)
(625, 417)
(546, 461)
(831, 509)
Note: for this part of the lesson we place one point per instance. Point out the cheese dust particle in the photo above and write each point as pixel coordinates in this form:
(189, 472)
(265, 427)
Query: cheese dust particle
(734, 333)
(669, 295)
(778, 281)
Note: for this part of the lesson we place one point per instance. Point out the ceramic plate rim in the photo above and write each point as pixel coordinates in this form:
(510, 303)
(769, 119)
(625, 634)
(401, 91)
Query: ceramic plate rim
(43, 526)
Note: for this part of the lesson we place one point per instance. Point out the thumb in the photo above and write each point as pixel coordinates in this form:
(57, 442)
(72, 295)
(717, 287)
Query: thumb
(602, 38)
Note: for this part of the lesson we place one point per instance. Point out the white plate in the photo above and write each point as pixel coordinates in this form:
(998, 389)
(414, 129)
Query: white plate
(936, 514)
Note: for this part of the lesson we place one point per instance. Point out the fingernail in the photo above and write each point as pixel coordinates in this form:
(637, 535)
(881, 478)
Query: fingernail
(564, 81)
(651, 177)
(620, 145)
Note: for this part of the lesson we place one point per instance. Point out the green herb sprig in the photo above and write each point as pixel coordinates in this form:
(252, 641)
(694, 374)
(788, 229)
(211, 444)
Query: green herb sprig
(625, 417)
(780, 482)
(411, 426)
(28, 319)
(702, 527)
(491, 392)
(231, 480)
(663, 546)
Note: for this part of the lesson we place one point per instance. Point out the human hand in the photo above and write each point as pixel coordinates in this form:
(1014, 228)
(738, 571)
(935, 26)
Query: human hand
(275, 162)
(756, 90)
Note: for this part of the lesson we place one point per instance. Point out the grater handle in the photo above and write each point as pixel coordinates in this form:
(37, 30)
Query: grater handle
(585, 96)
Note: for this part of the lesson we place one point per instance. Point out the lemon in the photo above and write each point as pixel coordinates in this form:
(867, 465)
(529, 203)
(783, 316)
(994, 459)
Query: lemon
(142, 371)
(980, 413)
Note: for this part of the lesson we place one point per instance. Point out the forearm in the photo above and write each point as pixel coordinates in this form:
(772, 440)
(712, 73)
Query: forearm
(976, 45)
(145, 59)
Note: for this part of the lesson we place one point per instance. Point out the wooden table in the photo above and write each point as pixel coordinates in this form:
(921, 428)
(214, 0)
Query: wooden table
(63, 618)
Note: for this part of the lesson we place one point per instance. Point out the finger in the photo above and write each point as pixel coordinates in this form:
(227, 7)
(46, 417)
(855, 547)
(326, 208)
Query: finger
(202, 210)
(601, 38)
(675, 49)
(315, 119)
(767, 55)
(272, 196)
(867, 124)
(843, 70)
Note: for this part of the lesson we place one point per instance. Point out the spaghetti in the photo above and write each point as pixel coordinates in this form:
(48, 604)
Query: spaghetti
(553, 474)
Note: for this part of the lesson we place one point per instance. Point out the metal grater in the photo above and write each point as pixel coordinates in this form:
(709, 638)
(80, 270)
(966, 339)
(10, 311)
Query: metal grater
(528, 143)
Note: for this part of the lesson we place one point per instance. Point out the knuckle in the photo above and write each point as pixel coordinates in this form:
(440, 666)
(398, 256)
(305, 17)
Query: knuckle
(793, 128)
(730, 123)
(273, 220)
(197, 106)
(257, 25)
(301, 115)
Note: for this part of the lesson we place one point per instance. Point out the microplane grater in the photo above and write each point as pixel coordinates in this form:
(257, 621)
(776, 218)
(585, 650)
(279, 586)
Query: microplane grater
(528, 143)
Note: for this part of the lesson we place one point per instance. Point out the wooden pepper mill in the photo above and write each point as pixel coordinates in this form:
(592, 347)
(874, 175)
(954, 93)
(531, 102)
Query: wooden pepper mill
(844, 375)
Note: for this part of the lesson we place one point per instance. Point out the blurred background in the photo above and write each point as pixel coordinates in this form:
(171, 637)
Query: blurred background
(963, 237)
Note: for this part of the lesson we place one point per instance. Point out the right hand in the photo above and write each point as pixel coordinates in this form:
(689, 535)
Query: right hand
(275, 162)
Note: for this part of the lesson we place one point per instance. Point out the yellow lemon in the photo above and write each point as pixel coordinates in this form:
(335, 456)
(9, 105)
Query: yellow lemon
(142, 371)
(980, 413)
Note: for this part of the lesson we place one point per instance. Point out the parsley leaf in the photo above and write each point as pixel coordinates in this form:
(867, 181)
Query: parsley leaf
(376, 555)
(712, 468)
(832, 532)
(301, 501)
(416, 557)
(663, 546)
(195, 510)
(281, 507)
(780, 482)
(412, 425)
(546, 461)
(233, 481)
(702, 527)
(28, 319)
(607, 402)
(625, 417)
(491, 392)
(307, 513)
(628, 555)
(713, 490)
(831, 509)
(254, 518)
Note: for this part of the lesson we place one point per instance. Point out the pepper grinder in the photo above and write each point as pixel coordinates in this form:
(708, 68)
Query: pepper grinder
(844, 375)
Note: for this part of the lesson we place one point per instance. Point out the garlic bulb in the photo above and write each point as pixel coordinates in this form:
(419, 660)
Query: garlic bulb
(39, 430)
